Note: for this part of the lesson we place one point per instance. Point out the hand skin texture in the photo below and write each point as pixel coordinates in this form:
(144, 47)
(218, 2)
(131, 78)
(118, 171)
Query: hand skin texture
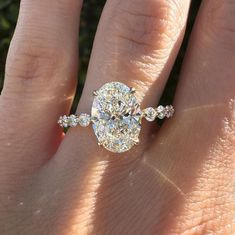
(180, 180)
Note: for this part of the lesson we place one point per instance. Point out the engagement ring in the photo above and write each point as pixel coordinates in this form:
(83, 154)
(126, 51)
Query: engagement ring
(116, 117)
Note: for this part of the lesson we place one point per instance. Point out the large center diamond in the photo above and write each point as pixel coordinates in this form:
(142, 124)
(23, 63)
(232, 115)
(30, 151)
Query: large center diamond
(116, 117)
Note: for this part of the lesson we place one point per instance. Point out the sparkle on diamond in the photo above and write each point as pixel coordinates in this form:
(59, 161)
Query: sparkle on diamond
(116, 117)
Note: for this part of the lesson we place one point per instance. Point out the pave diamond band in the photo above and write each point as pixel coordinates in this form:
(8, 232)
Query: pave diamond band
(84, 120)
(116, 117)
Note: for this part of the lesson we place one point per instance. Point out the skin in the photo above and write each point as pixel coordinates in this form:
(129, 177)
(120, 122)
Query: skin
(179, 180)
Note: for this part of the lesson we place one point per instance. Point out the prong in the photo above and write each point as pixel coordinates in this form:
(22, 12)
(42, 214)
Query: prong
(132, 90)
(99, 143)
(137, 142)
(93, 119)
(95, 93)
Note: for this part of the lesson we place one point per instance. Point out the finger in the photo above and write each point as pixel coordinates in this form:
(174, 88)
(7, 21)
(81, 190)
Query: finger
(203, 130)
(136, 43)
(208, 72)
(138, 48)
(40, 78)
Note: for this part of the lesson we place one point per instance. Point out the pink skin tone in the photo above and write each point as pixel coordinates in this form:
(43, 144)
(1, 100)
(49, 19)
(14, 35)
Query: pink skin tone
(178, 180)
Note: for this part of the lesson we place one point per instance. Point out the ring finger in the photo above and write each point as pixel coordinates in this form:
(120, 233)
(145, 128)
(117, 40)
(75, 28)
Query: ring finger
(136, 44)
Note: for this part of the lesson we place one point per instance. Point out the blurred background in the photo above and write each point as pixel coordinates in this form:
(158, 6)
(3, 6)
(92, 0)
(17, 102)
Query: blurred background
(89, 20)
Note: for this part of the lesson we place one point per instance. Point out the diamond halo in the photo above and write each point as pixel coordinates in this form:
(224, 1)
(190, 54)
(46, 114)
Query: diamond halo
(116, 117)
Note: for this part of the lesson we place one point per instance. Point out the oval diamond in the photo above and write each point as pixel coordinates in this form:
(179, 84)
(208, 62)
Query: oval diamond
(116, 117)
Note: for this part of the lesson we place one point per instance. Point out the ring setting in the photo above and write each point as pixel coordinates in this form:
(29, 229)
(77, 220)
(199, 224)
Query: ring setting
(116, 117)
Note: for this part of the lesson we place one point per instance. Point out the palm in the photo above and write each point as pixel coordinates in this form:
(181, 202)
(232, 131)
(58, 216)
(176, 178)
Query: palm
(177, 181)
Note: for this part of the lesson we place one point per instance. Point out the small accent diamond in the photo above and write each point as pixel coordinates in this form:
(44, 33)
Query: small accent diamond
(161, 112)
(63, 121)
(169, 110)
(150, 114)
(73, 120)
(84, 120)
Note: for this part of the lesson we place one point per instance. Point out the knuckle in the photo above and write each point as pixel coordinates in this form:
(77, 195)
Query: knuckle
(28, 62)
(144, 33)
(148, 25)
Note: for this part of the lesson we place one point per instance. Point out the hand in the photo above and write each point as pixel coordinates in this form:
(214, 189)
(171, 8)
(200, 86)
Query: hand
(179, 180)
